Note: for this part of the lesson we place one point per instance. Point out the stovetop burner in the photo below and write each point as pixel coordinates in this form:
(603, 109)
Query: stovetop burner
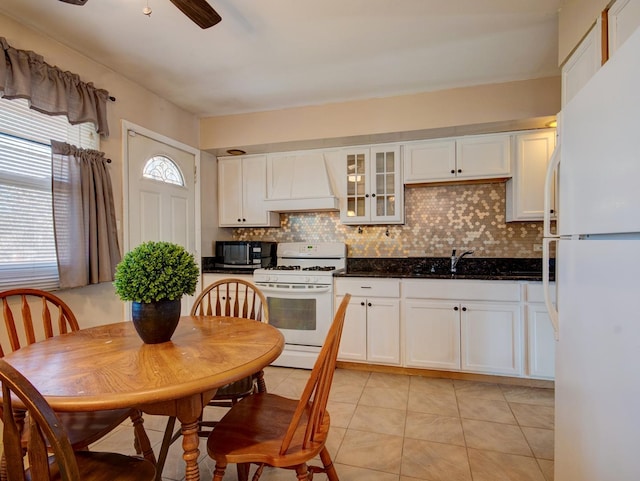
(304, 263)
(298, 268)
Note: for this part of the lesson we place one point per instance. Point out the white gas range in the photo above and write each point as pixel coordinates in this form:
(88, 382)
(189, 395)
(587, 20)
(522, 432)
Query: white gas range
(299, 292)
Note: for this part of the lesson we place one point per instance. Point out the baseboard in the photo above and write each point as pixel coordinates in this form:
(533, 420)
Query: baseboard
(467, 376)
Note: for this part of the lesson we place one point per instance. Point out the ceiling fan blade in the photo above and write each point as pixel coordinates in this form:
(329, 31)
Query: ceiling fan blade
(199, 11)
(75, 2)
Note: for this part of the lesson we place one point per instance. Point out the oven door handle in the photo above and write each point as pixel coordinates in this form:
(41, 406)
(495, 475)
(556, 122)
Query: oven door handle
(266, 289)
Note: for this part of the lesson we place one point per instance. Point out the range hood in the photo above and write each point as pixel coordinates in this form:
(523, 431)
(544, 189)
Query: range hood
(299, 182)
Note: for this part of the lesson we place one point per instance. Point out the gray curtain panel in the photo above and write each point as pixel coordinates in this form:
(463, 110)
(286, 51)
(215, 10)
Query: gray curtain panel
(24, 74)
(83, 216)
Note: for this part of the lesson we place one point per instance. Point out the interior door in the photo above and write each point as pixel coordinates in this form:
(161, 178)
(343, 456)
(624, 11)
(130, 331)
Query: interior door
(161, 195)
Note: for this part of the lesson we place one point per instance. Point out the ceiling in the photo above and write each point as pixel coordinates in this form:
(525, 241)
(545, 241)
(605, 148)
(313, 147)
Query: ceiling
(274, 54)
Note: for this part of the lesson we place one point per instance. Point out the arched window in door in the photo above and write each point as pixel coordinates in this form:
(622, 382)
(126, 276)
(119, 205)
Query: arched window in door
(163, 169)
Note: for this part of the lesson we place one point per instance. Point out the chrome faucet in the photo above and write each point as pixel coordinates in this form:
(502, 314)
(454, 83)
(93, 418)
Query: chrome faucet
(455, 259)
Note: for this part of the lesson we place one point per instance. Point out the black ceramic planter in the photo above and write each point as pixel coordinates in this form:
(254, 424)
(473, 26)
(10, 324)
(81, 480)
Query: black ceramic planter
(155, 322)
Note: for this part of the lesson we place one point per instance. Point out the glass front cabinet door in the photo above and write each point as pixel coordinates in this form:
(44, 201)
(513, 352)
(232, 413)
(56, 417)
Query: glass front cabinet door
(374, 193)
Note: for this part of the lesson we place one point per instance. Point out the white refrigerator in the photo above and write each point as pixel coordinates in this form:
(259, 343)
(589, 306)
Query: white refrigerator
(597, 243)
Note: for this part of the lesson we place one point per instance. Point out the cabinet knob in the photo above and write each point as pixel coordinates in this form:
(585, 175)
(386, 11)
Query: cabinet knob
(453, 171)
(373, 195)
(244, 220)
(464, 309)
(362, 303)
(369, 304)
(366, 195)
(459, 171)
(455, 308)
(239, 220)
(552, 211)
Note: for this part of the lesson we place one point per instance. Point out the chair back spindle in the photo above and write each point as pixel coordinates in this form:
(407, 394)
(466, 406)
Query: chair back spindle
(231, 297)
(19, 309)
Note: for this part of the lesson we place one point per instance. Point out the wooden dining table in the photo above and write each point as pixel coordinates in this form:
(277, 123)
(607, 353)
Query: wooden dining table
(109, 367)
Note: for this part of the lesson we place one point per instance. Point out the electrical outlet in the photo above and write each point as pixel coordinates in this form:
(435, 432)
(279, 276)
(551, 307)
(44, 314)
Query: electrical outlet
(537, 247)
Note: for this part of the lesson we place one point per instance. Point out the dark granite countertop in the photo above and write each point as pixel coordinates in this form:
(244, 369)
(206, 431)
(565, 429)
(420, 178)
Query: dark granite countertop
(474, 268)
(209, 267)
(478, 268)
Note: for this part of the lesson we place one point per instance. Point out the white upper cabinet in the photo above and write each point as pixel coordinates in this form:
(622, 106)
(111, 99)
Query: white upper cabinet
(241, 193)
(583, 63)
(372, 186)
(525, 190)
(483, 156)
(462, 158)
(429, 160)
(623, 19)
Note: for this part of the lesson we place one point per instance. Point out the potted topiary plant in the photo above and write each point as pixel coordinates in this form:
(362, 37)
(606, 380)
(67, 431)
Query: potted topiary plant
(155, 276)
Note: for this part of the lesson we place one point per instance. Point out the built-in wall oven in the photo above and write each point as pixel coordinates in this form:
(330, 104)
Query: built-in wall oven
(299, 292)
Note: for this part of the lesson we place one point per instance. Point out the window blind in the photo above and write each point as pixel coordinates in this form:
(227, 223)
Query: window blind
(27, 248)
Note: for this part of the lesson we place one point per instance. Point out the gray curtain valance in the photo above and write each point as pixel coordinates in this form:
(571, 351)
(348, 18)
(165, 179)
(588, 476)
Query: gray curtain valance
(24, 74)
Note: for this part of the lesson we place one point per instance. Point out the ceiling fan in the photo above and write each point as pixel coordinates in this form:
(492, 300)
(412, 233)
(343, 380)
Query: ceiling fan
(197, 10)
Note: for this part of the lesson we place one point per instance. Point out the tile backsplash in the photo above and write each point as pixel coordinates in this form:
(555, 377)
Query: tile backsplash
(437, 219)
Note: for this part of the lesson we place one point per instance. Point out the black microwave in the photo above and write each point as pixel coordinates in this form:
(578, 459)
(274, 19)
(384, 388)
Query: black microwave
(245, 254)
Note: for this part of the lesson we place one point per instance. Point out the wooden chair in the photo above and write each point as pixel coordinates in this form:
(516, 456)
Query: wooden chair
(226, 297)
(20, 312)
(267, 429)
(237, 298)
(45, 432)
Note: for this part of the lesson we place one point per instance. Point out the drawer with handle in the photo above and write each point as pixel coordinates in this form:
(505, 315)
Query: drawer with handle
(361, 286)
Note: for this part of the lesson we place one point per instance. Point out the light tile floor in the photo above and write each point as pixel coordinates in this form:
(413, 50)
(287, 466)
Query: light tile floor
(388, 427)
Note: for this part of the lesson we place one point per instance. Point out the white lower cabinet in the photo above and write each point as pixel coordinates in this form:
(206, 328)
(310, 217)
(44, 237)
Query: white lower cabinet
(491, 338)
(541, 342)
(473, 326)
(432, 334)
(371, 330)
(447, 324)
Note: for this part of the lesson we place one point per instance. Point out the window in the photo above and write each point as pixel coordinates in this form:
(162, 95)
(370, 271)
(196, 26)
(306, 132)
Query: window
(26, 224)
(163, 169)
